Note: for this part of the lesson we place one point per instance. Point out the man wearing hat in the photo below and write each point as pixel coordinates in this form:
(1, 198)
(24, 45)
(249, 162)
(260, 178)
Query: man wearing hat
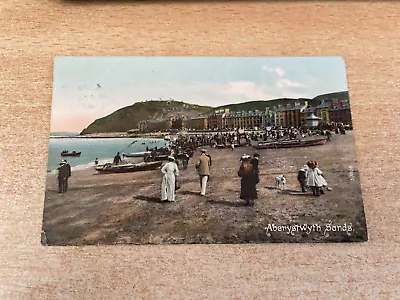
(203, 166)
(64, 172)
(170, 173)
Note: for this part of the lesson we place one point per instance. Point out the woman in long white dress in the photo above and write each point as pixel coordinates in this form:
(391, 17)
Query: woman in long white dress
(315, 178)
(170, 173)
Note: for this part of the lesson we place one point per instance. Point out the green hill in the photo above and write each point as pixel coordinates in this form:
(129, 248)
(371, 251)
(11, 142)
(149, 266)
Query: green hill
(129, 117)
(339, 95)
(261, 104)
(258, 104)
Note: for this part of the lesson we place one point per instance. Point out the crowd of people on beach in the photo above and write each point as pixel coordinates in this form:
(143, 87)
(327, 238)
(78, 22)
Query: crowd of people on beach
(233, 139)
(181, 150)
(309, 176)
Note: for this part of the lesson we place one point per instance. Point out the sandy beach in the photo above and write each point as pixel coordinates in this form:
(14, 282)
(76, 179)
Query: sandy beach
(126, 208)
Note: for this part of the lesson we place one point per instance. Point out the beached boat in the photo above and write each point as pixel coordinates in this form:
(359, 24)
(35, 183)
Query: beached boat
(238, 145)
(136, 154)
(125, 168)
(157, 158)
(222, 146)
(73, 153)
(291, 144)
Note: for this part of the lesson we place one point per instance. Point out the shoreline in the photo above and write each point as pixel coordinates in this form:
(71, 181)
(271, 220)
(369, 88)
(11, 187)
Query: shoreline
(159, 135)
(125, 208)
(106, 137)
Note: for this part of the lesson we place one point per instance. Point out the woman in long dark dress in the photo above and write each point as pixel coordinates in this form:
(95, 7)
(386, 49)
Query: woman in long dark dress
(248, 191)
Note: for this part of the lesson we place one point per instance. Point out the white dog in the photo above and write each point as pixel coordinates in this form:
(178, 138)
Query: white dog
(280, 182)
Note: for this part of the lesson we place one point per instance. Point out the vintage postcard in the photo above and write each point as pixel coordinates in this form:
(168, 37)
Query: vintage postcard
(200, 150)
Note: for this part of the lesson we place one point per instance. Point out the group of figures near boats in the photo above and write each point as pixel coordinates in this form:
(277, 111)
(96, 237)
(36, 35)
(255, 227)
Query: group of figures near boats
(274, 137)
(151, 160)
(183, 149)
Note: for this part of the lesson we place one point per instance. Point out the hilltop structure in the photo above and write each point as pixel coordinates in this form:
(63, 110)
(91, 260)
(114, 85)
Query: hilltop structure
(166, 114)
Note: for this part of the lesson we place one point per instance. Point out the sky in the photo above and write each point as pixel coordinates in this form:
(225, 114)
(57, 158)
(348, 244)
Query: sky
(88, 88)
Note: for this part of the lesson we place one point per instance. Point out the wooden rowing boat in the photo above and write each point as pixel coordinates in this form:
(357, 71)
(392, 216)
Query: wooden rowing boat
(136, 154)
(125, 168)
(291, 144)
(73, 153)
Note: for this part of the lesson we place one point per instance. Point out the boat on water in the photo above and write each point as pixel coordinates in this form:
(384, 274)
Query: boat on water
(73, 153)
(291, 143)
(125, 168)
(136, 154)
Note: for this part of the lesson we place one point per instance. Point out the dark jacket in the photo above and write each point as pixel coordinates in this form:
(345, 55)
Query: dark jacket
(64, 171)
(117, 159)
(301, 176)
(254, 163)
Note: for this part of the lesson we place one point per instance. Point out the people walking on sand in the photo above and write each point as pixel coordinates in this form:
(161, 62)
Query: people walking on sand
(185, 161)
(328, 135)
(208, 155)
(248, 183)
(315, 178)
(302, 178)
(117, 159)
(170, 173)
(96, 161)
(69, 172)
(203, 166)
(64, 172)
(232, 146)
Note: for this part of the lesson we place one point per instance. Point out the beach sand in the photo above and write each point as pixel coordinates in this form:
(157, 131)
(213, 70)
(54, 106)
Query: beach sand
(126, 208)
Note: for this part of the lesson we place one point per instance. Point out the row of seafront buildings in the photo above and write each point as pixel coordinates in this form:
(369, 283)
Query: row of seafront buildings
(294, 114)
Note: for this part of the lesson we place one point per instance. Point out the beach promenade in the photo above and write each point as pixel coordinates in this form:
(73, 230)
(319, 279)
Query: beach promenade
(126, 208)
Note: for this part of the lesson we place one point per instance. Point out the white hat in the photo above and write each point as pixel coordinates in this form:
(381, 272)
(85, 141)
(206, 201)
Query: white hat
(304, 168)
(245, 156)
(171, 157)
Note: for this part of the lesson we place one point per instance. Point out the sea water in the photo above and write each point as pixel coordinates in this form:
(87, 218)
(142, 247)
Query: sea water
(104, 149)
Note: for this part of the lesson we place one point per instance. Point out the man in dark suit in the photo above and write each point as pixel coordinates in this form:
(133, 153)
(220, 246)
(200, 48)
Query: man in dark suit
(64, 172)
(117, 159)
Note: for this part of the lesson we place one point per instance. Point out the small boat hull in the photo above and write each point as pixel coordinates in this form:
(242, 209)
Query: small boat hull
(222, 146)
(161, 157)
(71, 153)
(136, 154)
(291, 144)
(126, 168)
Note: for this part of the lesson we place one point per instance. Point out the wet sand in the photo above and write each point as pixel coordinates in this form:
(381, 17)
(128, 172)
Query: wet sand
(126, 208)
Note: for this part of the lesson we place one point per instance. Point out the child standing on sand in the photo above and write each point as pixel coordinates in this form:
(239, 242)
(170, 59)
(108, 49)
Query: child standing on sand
(302, 177)
(315, 178)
